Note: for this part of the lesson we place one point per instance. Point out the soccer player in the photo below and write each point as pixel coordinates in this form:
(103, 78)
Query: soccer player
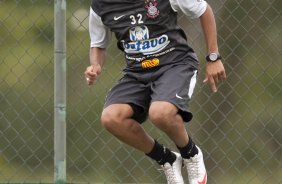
(159, 77)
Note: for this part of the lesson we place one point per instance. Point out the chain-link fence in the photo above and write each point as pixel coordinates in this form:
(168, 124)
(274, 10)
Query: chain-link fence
(239, 128)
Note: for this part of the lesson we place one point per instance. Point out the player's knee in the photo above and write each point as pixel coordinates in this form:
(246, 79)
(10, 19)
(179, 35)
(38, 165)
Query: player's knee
(109, 120)
(161, 115)
(112, 119)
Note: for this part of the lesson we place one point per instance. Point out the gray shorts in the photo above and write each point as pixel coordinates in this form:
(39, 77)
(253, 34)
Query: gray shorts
(171, 83)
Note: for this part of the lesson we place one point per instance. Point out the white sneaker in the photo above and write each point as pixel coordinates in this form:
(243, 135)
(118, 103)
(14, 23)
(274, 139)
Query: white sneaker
(173, 172)
(196, 169)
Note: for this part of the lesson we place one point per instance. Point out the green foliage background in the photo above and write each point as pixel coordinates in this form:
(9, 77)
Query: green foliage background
(239, 128)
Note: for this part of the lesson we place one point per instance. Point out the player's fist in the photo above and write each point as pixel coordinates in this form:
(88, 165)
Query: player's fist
(91, 73)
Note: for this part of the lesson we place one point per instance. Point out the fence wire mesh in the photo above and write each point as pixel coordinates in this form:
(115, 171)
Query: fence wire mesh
(239, 128)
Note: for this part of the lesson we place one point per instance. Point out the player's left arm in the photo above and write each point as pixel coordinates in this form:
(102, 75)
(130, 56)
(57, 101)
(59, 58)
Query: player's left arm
(200, 9)
(214, 70)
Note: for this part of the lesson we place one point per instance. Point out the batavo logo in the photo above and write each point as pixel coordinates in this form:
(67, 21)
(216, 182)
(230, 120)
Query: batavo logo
(150, 63)
(142, 43)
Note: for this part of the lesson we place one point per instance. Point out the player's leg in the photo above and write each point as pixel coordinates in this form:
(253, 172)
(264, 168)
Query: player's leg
(168, 111)
(164, 115)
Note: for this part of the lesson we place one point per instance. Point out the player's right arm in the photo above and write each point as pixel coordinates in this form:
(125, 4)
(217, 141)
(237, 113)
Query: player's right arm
(100, 36)
(97, 59)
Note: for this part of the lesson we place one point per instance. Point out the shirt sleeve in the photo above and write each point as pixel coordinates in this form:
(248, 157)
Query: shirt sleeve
(191, 8)
(100, 35)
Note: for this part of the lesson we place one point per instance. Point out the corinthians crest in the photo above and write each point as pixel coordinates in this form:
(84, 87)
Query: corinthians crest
(152, 10)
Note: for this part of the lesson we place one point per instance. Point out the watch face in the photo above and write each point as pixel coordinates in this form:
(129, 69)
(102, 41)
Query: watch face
(213, 56)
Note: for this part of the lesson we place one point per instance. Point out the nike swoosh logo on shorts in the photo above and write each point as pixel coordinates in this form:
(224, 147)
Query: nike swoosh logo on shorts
(177, 96)
(119, 17)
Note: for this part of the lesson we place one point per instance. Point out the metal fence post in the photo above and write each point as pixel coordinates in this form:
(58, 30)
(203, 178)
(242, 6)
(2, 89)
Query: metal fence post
(60, 92)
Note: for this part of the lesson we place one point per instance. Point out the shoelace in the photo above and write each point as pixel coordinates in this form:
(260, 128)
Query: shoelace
(170, 175)
(193, 168)
(169, 172)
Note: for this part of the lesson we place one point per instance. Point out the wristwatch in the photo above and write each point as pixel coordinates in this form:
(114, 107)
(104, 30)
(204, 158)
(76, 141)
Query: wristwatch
(212, 57)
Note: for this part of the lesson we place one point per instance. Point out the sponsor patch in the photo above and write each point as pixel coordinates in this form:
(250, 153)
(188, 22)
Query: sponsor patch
(150, 63)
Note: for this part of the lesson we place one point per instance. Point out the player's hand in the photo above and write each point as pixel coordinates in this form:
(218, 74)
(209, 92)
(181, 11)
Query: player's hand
(91, 73)
(214, 72)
